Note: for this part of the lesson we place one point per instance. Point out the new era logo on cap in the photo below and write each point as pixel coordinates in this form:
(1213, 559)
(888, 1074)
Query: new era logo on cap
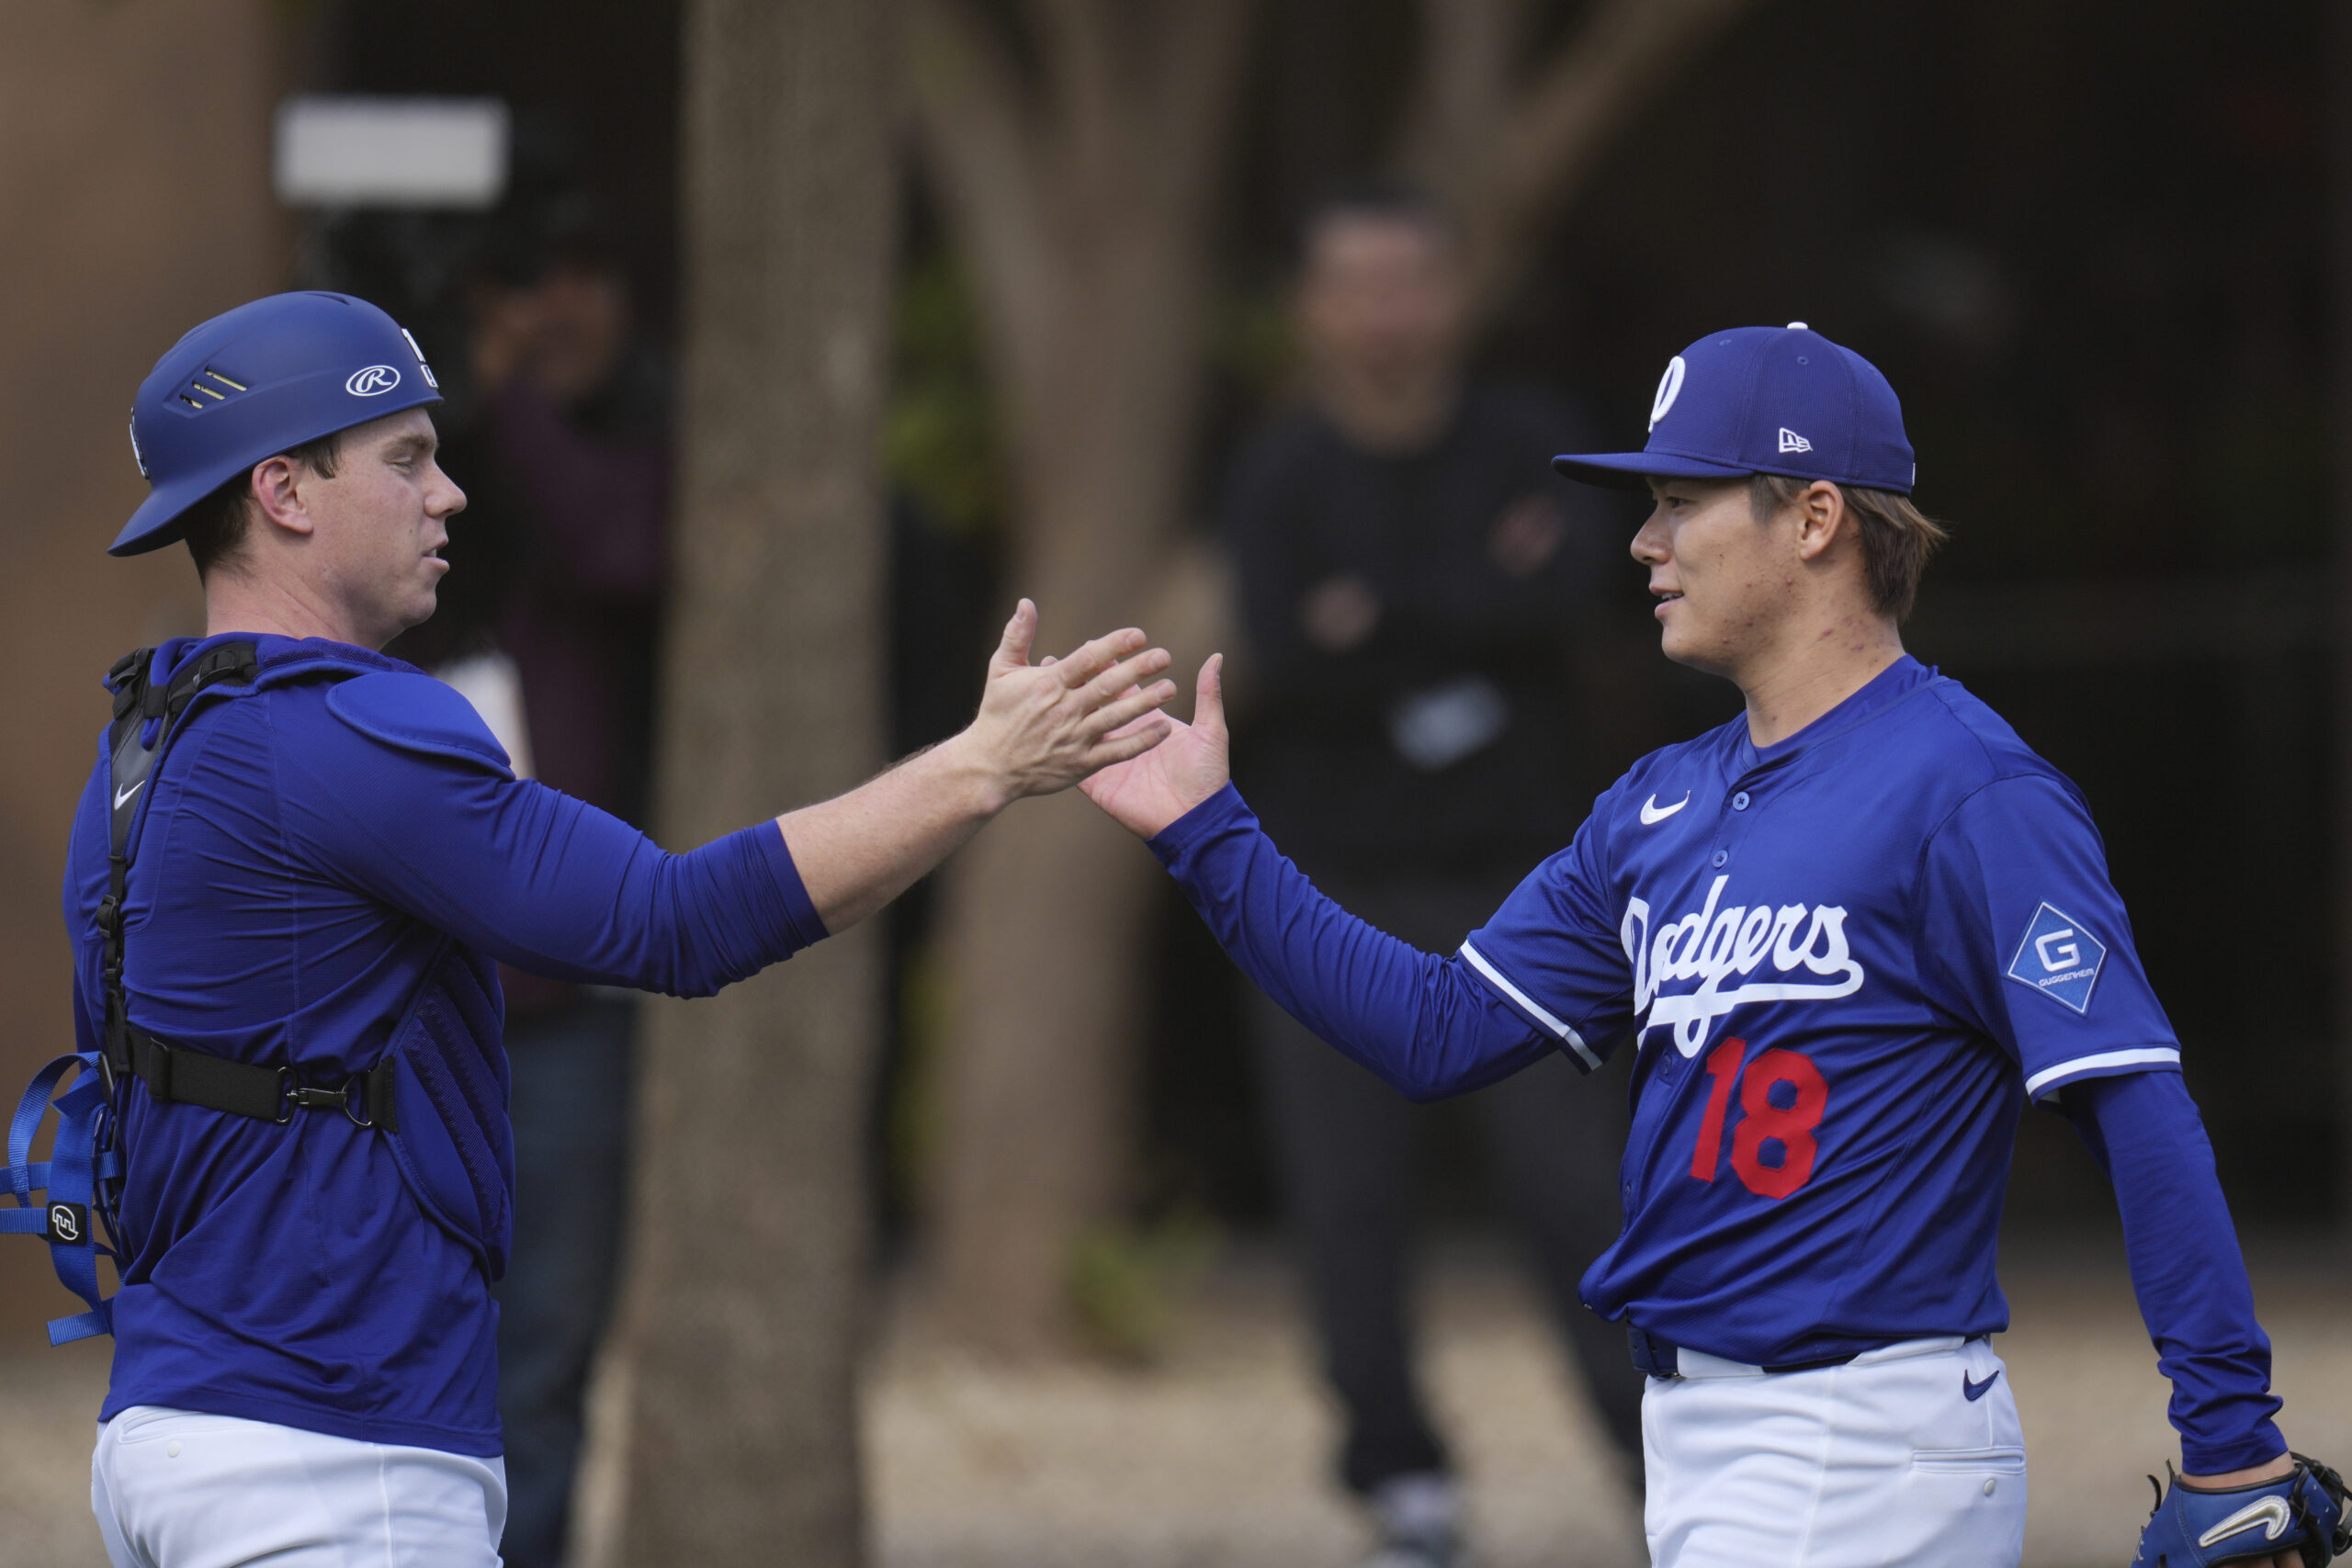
(1765, 401)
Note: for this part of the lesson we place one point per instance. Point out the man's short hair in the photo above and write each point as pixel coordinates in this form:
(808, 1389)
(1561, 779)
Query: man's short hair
(218, 525)
(1897, 537)
(1392, 197)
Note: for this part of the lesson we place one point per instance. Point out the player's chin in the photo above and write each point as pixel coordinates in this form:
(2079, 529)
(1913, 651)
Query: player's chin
(1673, 641)
(421, 602)
(1679, 644)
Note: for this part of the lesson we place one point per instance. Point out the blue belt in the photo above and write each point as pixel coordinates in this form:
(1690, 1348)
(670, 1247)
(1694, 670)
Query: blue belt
(1661, 1357)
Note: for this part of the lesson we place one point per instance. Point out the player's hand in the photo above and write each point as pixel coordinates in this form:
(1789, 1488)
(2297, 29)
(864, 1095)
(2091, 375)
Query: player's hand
(1042, 727)
(1177, 773)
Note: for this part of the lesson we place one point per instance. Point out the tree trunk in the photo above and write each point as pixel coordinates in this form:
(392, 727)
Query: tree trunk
(1044, 917)
(745, 1301)
(1079, 184)
(1080, 196)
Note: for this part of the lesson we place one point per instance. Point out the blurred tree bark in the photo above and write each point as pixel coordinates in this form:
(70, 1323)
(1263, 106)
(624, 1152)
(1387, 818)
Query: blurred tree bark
(1505, 133)
(1077, 145)
(748, 1260)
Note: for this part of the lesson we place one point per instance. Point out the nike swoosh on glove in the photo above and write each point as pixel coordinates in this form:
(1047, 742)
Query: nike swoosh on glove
(2194, 1528)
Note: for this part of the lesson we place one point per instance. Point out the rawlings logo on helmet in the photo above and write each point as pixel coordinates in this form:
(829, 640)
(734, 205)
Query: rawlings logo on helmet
(375, 380)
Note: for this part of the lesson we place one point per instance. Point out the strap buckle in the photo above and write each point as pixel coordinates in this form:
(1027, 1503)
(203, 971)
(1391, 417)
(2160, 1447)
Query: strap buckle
(355, 1096)
(350, 1099)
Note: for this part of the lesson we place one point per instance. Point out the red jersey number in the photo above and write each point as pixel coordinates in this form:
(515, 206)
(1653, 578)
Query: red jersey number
(1761, 1121)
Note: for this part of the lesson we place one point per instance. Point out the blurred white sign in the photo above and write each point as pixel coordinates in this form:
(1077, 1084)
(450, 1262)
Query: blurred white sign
(349, 151)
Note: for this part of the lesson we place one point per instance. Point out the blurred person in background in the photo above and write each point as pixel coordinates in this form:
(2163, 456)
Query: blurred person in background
(1411, 575)
(552, 626)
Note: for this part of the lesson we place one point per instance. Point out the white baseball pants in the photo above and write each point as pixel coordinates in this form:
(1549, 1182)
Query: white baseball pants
(1883, 1463)
(174, 1489)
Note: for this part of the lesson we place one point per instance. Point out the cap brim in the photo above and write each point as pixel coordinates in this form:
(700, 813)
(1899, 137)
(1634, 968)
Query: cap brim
(1627, 470)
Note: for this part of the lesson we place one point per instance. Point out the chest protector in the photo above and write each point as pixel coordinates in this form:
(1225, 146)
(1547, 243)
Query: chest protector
(436, 1097)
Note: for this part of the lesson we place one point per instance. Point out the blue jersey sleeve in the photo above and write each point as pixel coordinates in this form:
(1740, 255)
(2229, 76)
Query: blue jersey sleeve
(526, 873)
(2027, 940)
(2185, 1267)
(1424, 1024)
(1553, 954)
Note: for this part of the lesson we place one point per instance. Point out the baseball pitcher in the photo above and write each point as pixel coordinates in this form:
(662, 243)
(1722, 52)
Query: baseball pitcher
(1849, 936)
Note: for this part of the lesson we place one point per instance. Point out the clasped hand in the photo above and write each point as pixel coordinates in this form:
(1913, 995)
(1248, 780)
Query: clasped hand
(1183, 767)
(1045, 726)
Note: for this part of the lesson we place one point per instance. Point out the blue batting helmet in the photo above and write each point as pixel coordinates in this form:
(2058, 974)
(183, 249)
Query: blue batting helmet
(257, 382)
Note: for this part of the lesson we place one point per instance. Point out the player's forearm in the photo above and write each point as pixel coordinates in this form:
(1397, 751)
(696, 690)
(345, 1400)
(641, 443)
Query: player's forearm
(2187, 1268)
(859, 850)
(1415, 1020)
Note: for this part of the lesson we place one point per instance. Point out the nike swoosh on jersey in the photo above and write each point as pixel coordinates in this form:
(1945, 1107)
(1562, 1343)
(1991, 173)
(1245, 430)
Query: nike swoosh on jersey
(1972, 1390)
(2271, 1513)
(1653, 813)
(125, 795)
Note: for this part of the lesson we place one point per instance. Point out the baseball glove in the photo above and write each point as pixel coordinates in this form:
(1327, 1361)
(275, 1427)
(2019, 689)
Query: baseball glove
(2193, 1527)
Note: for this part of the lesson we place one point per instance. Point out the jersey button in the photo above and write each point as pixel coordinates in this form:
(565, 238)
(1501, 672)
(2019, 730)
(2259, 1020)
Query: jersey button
(1739, 801)
(1720, 856)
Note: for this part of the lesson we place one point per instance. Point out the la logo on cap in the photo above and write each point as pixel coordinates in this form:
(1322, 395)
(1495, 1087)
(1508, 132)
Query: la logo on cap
(1670, 387)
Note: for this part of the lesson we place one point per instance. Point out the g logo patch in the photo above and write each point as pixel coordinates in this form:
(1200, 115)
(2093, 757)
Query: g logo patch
(370, 382)
(1670, 387)
(2058, 958)
(69, 1222)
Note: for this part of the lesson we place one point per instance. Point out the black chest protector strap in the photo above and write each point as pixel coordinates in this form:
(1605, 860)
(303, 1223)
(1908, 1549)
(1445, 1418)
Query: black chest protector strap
(175, 1072)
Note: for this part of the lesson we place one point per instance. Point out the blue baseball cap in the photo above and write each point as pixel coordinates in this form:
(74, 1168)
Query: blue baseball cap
(259, 380)
(1766, 400)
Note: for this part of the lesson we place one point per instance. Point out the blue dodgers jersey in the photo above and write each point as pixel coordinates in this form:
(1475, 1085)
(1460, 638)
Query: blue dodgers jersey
(1845, 961)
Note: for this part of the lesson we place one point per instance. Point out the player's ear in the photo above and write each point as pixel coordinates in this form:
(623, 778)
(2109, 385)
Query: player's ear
(278, 494)
(1822, 518)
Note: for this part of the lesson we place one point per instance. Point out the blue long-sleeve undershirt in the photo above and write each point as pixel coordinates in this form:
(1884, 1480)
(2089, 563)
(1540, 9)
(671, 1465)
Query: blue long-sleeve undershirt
(1427, 1025)
(2186, 1267)
(540, 879)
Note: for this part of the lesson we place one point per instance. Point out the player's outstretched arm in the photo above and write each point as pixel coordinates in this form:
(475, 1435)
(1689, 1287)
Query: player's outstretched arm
(1420, 1022)
(1041, 729)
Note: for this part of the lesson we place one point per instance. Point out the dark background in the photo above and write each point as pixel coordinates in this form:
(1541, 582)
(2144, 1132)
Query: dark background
(2086, 243)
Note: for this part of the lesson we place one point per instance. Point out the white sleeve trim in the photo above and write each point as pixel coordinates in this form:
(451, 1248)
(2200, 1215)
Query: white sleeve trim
(2149, 1056)
(1529, 1005)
